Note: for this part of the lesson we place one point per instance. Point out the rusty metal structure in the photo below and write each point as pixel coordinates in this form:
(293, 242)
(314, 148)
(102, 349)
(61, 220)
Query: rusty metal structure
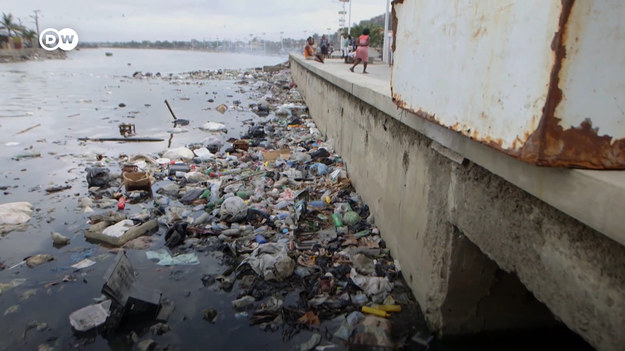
(541, 80)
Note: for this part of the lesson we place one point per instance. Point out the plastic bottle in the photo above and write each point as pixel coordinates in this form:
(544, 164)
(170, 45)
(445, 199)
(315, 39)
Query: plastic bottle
(317, 204)
(243, 194)
(260, 239)
(338, 222)
(121, 203)
(215, 191)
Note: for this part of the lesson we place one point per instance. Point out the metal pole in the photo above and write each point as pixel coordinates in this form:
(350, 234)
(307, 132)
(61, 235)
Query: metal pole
(349, 25)
(36, 20)
(385, 53)
(37, 25)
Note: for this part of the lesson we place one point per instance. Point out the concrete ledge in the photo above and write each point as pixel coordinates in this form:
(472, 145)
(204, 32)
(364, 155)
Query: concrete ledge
(595, 198)
(456, 214)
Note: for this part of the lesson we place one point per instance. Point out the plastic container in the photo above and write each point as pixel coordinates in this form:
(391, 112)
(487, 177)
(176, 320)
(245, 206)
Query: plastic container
(137, 181)
(90, 316)
(129, 168)
(241, 145)
(119, 233)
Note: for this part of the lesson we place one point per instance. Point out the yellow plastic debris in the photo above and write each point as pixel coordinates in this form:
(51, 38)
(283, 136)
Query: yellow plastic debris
(375, 312)
(388, 308)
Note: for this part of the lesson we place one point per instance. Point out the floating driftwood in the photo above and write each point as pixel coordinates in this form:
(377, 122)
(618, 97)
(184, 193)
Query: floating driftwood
(130, 140)
(28, 129)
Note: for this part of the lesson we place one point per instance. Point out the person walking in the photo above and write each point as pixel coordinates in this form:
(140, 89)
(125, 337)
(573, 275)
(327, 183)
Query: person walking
(362, 51)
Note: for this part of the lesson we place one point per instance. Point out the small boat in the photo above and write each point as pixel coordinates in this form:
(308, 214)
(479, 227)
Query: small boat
(108, 53)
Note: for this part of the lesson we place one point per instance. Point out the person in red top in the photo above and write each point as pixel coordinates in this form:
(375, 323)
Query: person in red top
(362, 51)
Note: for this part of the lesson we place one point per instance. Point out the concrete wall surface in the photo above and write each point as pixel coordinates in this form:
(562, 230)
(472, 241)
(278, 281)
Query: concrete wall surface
(538, 80)
(455, 226)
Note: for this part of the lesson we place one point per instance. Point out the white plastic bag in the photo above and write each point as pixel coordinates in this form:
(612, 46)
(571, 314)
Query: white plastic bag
(179, 153)
(15, 213)
(214, 127)
(271, 261)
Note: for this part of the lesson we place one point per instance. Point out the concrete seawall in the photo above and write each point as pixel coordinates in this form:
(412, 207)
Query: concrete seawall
(473, 228)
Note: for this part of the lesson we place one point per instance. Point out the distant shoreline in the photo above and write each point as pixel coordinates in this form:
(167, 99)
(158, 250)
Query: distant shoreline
(112, 49)
(233, 50)
(20, 55)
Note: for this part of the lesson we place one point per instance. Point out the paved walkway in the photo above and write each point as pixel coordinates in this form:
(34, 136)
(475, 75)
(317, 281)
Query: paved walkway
(378, 77)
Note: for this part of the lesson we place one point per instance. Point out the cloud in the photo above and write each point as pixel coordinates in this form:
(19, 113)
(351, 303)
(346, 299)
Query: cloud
(117, 20)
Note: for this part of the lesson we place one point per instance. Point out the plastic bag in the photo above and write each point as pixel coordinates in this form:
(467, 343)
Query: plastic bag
(15, 213)
(214, 127)
(233, 209)
(271, 261)
(179, 153)
(98, 176)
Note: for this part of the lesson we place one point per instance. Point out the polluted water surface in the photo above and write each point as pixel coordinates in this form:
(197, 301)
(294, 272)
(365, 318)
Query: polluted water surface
(230, 215)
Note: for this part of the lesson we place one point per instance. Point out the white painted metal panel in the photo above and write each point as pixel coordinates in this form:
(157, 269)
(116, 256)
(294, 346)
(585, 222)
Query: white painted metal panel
(481, 67)
(593, 73)
(543, 81)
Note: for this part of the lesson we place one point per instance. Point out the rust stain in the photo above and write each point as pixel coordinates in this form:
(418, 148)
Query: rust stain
(394, 23)
(577, 147)
(478, 32)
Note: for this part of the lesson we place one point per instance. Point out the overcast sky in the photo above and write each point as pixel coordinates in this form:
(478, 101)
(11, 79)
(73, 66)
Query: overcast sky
(118, 20)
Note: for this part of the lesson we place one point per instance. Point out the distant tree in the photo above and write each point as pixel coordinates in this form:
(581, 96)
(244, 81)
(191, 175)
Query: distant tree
(8, 23)
(29, 35)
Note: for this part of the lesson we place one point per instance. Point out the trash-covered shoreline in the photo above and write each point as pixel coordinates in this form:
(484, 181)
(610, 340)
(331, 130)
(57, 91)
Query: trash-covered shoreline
(296, 246)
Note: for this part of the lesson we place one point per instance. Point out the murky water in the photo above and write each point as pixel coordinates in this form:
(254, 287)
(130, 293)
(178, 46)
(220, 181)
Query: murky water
(56, 102)
(79, 97)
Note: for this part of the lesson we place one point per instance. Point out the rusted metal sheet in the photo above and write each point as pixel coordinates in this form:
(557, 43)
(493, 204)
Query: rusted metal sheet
(543, 81)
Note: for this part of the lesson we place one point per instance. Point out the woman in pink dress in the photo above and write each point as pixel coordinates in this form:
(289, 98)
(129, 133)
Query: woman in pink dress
(362, 51)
